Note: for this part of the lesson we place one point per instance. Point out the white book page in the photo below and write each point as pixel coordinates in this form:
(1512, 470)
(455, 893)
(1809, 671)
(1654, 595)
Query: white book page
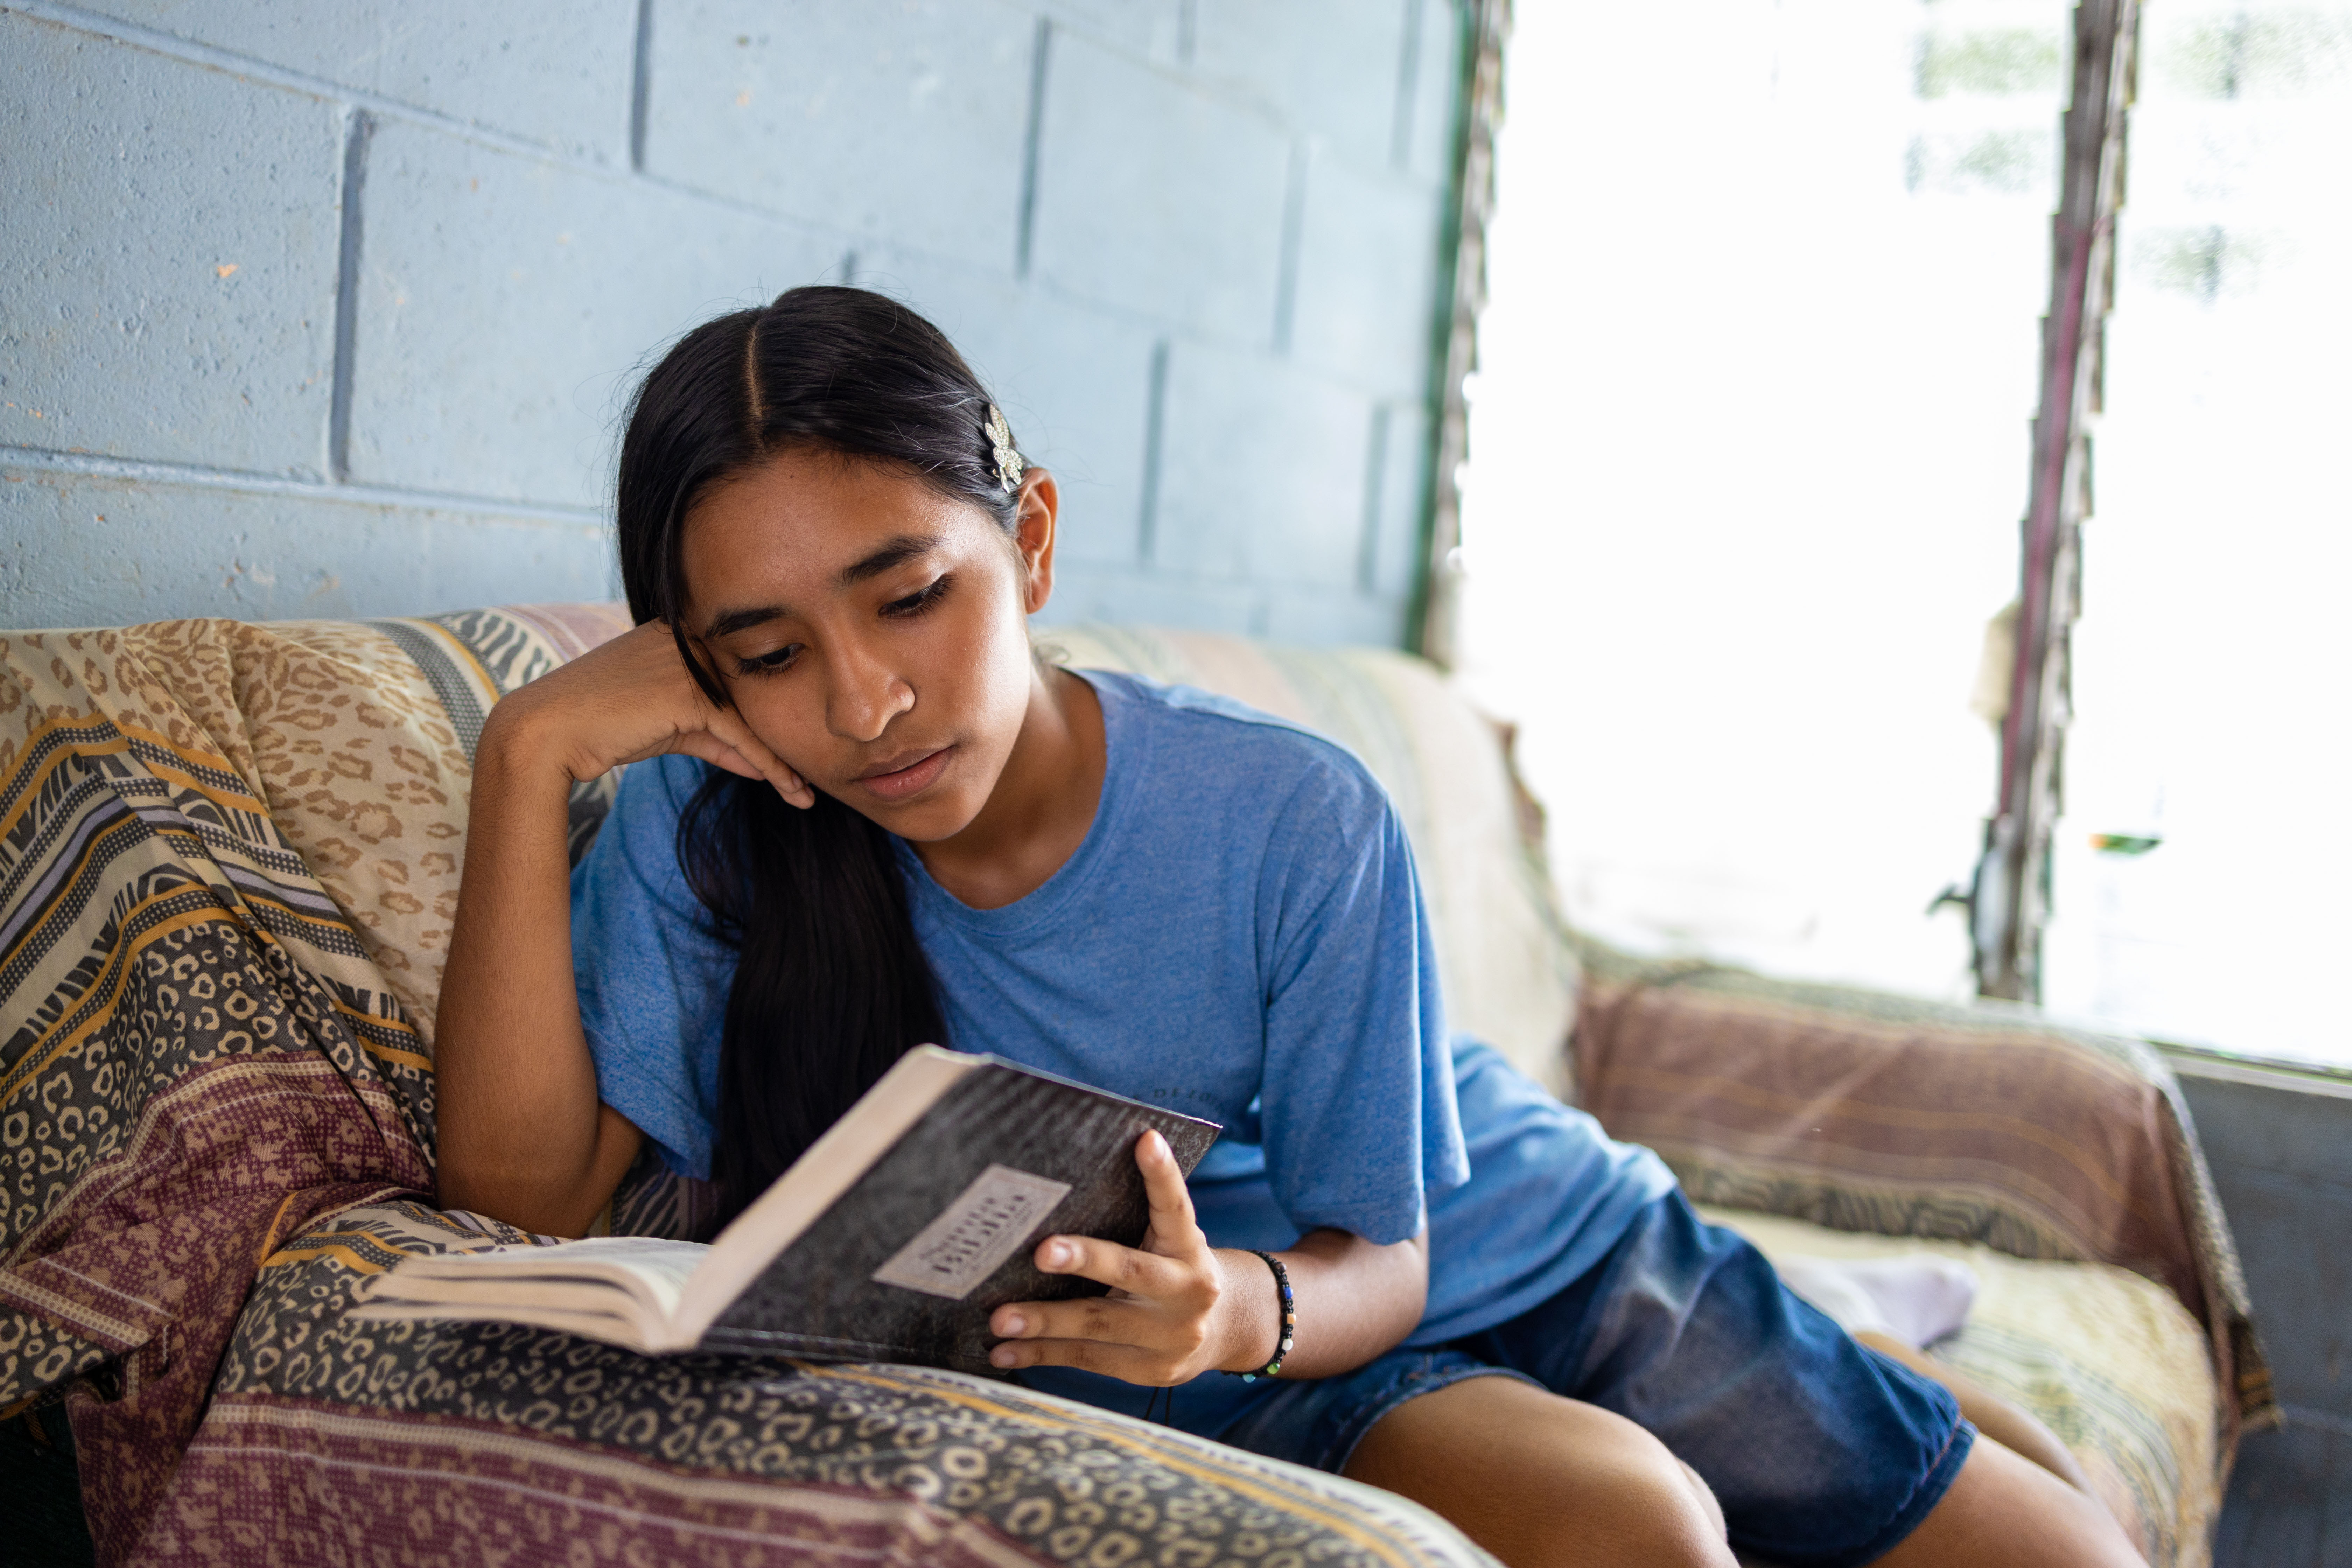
(648, 1275)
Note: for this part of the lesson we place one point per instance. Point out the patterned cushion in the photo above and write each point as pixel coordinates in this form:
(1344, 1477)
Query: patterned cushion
(362, 740)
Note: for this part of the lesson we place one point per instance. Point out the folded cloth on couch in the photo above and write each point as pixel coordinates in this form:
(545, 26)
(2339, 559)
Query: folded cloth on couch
(228, 864)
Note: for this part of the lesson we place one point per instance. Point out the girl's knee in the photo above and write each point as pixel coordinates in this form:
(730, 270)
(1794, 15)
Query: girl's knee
(1539, 1480)
(1706, 1500)
(1666, 1515)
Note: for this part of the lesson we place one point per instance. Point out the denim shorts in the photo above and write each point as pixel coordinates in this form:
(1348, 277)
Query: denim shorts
(1822, 1452)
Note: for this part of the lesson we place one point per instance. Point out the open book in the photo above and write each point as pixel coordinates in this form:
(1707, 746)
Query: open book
(892, 1238)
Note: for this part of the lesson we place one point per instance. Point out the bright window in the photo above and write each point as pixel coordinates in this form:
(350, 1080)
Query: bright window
(1749, 451)
(2211, 750)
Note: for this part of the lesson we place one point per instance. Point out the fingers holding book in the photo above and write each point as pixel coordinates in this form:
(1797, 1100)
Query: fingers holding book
(1169, 1317)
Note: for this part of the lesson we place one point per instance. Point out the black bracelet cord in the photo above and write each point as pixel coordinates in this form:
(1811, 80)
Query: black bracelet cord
(1289, 1320)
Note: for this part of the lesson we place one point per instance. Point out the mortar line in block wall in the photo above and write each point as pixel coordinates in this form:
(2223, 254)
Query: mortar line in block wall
(1407, 90)
(87, 465)
(1032, 135)
(1376, 471)
(641, 65)
(358, 125)
(1294, 223)
(1155, 420)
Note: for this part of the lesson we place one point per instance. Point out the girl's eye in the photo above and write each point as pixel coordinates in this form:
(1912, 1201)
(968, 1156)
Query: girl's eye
(768, 663)
(916, 604)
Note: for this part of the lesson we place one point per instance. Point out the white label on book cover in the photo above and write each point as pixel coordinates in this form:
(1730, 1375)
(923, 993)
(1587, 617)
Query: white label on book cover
(988, 1223)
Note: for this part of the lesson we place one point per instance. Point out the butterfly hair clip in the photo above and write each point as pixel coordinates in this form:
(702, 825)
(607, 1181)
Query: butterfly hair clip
(1009, 467)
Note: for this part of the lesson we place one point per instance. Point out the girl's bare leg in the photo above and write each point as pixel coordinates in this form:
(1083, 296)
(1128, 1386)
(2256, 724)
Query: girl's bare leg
(1995, 1417)
(1542, 1481)
(2004, 1511)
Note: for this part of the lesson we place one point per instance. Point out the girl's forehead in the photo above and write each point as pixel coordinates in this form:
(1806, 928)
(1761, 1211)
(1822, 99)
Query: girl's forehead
(816, 505)
(816, 524)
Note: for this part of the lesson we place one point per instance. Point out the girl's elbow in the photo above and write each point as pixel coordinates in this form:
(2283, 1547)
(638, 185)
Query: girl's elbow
(1409, 1261)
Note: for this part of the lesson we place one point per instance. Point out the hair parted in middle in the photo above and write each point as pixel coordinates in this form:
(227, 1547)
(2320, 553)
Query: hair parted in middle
(830, 984)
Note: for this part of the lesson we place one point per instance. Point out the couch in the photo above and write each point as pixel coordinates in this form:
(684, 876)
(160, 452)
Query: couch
(230, 856)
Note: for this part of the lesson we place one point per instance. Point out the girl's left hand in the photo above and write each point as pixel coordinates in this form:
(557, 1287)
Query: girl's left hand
(1169, 1317)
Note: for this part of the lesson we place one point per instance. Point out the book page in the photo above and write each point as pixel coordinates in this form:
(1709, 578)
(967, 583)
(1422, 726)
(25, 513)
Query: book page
(648, 1272)
(625, 1333)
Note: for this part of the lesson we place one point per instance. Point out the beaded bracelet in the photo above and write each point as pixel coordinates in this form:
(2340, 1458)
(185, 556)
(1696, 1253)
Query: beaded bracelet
(1289, 1320)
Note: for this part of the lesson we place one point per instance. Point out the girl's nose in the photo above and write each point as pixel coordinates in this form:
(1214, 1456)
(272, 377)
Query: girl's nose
(865, 695)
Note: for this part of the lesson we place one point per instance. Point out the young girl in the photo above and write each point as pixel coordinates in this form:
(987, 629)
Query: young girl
(866, 817)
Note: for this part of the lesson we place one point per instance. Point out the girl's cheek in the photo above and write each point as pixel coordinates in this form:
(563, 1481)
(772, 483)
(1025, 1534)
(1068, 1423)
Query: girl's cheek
(783, 727)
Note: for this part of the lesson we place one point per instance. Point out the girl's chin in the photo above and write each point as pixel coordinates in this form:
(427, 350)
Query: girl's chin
(927, 821)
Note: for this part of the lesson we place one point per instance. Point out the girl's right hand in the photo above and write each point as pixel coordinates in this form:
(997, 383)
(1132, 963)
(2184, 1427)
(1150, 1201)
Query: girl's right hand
(630, 698)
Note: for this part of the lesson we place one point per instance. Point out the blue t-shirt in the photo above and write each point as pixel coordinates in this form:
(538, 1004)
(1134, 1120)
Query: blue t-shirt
(1239, 937)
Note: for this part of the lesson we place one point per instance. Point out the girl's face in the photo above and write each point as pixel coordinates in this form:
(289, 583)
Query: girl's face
(870, 630)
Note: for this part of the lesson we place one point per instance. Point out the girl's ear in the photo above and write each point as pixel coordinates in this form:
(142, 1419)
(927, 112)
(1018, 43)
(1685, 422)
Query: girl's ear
(1032, 537)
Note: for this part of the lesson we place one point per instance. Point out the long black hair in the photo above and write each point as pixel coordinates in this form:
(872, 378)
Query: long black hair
(830, 984)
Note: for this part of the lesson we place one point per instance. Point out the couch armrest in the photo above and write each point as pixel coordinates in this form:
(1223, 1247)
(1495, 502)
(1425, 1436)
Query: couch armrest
(1870, 1112)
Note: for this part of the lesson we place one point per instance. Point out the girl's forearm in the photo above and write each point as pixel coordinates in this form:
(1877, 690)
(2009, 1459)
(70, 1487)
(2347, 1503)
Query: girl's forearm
(522, 1137)
(1355, 1301)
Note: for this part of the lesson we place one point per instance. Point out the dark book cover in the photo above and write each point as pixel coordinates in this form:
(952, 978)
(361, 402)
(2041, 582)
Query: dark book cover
(909, 1263)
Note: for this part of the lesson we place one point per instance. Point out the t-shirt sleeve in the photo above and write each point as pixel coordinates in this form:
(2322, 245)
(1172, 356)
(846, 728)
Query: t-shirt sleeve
(1358, 1117)
(651, 972)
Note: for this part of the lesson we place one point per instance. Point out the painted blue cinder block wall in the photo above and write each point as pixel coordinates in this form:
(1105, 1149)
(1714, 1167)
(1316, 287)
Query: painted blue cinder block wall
(331, 310)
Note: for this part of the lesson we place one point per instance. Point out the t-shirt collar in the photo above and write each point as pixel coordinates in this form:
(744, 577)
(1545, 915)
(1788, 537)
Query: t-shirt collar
(1124, 745)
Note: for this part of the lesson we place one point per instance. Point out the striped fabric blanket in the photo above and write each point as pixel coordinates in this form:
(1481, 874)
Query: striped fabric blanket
(228, 866)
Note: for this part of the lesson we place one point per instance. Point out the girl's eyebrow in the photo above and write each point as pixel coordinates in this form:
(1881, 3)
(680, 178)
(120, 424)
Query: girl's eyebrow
(904, 548)
(893, 552)
(735, 621)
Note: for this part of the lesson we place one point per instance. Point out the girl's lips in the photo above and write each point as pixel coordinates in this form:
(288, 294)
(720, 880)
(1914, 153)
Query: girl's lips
(910, 780)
